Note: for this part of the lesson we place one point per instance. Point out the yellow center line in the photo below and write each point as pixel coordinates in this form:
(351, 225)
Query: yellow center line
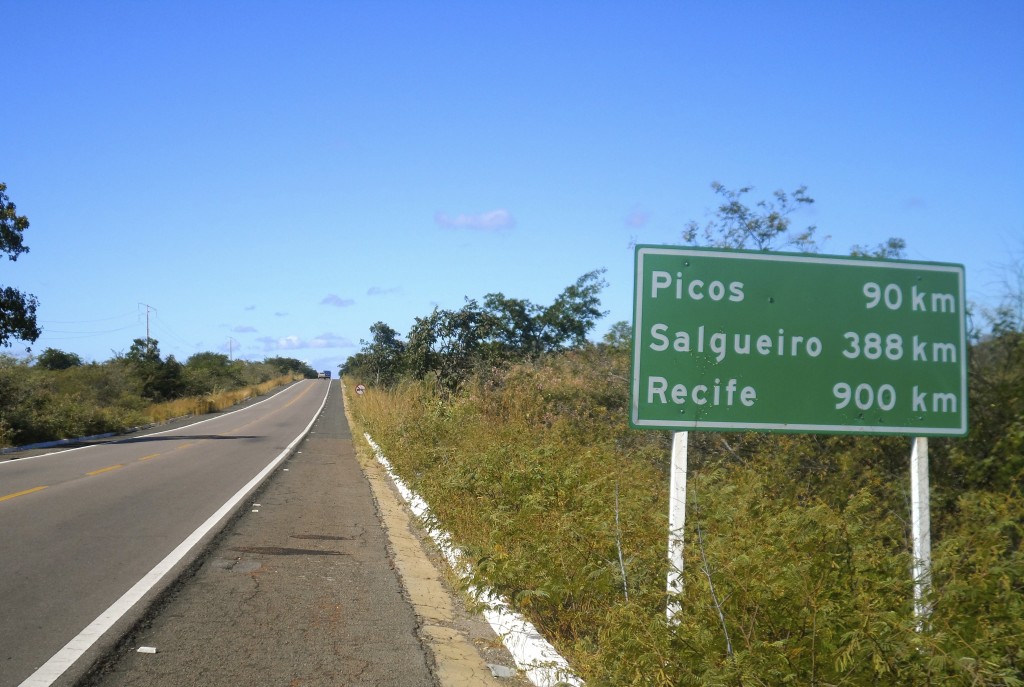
(106, 469)
(149, 457)
(301, 394)
(21, 493)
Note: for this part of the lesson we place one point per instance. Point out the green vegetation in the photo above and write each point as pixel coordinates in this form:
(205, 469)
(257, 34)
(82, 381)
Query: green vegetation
(17, 308)
(798, 554)
(447, 346)
(803, 539)
(58, 396)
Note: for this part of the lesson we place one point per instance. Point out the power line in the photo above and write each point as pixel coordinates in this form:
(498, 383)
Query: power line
(99, 319)
(155, 325)
(91, 333)
(166, 328)
(45, 336)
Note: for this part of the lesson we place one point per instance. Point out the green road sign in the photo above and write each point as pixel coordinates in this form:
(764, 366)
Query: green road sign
(738, 340)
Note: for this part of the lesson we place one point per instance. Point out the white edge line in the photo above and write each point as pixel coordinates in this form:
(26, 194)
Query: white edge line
(15, 461)
(48, 673)
(533, 654)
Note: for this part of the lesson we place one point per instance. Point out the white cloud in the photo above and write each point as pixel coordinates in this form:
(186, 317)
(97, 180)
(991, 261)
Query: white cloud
(297, 343)
(285, 343)
(244, 329)
(329, 340)
(495, 220)
(337, 301)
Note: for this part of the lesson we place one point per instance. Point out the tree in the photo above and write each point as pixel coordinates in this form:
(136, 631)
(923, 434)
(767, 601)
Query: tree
(460, 340)
(54, 359)
(515, 325)
(421, 358)
(291, 365)
(766, 226)
(207, 372)
(619, 336)
(384, 354)
(144, 352)
(158, 380)
(17, 309)
(451, 343)
(893, 249)
(574, 313)
(353, 365)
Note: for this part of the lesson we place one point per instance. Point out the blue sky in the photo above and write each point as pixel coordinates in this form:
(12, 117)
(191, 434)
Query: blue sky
(273, 178)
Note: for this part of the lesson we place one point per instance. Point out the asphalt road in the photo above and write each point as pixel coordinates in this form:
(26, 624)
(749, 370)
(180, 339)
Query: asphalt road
(84, 531)
(299, 590)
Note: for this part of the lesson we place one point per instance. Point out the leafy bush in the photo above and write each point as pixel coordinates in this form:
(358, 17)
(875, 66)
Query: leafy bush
(60, 397)
(447, 346)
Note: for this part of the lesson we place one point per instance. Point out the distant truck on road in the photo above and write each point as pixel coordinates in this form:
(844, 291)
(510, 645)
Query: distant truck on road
(326, 374)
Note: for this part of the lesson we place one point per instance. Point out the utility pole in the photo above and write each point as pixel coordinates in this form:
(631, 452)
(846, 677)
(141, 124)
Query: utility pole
(148, 308)
(231, 341)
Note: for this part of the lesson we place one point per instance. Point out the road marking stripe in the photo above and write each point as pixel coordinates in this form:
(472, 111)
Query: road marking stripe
(21, 493)
(149, 457)
(106, 469)
(304, 392)
(48, 673)
(532, 653)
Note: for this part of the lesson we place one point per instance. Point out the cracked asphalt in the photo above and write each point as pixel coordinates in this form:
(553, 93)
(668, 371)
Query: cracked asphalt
(303, 589)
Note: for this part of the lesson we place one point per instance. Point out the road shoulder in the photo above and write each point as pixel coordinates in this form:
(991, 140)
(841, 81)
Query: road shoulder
(463, 644)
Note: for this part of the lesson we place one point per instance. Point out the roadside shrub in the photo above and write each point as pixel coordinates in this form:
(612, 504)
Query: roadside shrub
(38, 403)
(797, 549)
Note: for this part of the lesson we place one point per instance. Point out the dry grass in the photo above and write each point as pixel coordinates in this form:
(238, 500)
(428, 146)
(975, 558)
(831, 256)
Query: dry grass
(213, 403)
(535, 473)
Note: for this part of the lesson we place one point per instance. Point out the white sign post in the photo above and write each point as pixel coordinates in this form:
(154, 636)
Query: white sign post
(921, 528)
(676, 521)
